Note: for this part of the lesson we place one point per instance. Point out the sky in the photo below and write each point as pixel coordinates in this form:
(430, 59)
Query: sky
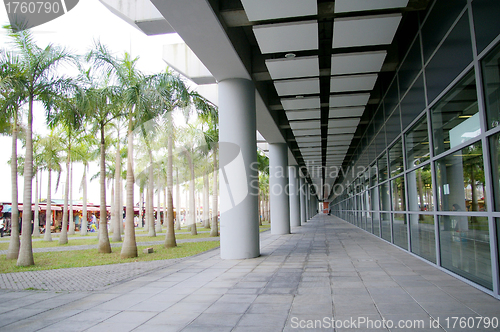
(77, 30)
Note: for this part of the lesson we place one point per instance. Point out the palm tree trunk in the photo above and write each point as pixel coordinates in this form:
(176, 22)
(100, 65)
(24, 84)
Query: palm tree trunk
(13, 251)
(146, 210)
(158, 214)
(192, 198)
(118, 208)
(215, 212)
(26, 249)
(129, 247)
(84, 223)
(152, 231)
(71, 215)
(36, 219)
(170, 237)
(63, 238)
(206, 201)
(48, 213)
(112, 212)
(103, 246)
(178, 200)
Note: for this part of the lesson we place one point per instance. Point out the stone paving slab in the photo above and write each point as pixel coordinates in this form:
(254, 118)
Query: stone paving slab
(336, 271)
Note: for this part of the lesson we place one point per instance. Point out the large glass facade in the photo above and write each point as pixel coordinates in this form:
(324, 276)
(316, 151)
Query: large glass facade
(435, 188)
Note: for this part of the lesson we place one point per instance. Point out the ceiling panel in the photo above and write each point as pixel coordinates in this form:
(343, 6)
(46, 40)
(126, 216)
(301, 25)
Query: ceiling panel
(297, 87)
(308, 132)
(346, 112)
(308, 139)
(365, 31)
(303, 115)
(344, 6)
(291, 68)
(359, 99)
(353, 83)
(300, 103)
(316, 150)
(340, 123)
(354, 63)
(278, 9)
(308, 144)
(287, 37)
(311, 124)
(346, 130)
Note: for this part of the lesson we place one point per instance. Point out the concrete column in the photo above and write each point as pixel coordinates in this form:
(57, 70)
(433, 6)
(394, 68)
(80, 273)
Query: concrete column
(278, 183)
(293, 180)
(302, 195)
(239, 220)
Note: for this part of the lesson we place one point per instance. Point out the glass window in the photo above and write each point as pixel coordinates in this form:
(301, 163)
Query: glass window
(382, 167)
(420, 197)
(460, 180)
(398, 194)
(455, 118)
(400, 228)
(373, 175)
(451, 58)
(396, 159)
(491, 78)
(495, 168)
(417, 144)
(385, 221)
(413, 103)
(423, 237)
(465, 247)
(385, 205)
(485, 22)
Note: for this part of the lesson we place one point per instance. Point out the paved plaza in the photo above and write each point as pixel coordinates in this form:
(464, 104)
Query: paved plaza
(326, 273)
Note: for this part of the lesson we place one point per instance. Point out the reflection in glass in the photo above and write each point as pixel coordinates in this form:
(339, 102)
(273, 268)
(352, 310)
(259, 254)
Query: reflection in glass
(375, 206)
(396, 159)
(460, 178)
(495, 168)
(465, 247)
(417, 144)
(382, 167)
(398, 194)
(491, 79)
(400, 229)
(373, 175)
(455, 118)
(423, 237)
(420, 196)
(385, 220)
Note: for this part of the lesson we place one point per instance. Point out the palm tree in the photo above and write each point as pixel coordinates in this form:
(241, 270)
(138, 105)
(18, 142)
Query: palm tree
(135, 87)
(40, 83)
(85, 153)
(208, 113)
(52, 160)
(13, 95)
(97, 106)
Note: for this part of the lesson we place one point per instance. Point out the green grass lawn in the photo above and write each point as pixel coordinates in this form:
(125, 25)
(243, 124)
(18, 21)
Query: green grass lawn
(93, 240)
(81, 258)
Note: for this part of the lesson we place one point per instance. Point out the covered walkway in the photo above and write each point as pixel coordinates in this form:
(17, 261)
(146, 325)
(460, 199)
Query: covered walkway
(326, 269)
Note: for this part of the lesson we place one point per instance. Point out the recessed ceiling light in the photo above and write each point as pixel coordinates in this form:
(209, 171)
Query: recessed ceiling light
(299, 97)
(290, 55)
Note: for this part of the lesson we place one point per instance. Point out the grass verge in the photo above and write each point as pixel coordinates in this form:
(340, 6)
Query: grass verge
(81, 258)
(94, 241)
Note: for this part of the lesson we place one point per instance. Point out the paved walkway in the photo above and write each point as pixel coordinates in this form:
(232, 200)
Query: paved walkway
(327, 269)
